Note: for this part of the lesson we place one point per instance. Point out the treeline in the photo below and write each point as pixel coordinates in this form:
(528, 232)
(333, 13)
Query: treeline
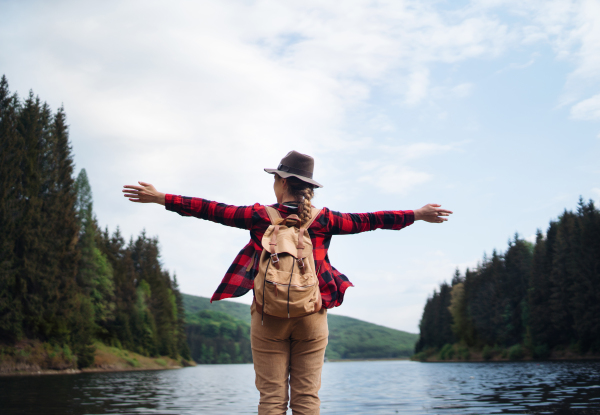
(63, 281)
(534, 300)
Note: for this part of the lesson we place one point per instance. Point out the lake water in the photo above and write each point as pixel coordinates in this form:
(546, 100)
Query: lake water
(382, 387)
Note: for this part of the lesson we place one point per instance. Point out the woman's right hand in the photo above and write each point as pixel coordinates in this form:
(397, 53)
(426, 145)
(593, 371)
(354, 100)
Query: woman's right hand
(432, 213)
(144, 193)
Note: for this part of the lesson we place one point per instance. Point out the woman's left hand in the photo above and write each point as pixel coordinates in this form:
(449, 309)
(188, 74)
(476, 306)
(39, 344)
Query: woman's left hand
(432, 213)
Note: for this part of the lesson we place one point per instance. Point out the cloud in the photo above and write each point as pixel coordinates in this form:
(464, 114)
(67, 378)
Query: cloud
(462, 90)
(395, 179)
(518, 66)
(392, 174)
(588, 109)
(418, 85)
(571, 28)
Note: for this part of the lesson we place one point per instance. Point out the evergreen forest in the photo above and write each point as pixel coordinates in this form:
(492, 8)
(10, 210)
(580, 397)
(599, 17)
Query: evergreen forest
(66, 284)
(536, 300)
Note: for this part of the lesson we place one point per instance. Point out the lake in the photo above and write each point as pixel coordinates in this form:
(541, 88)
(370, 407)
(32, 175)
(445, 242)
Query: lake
(380, 387)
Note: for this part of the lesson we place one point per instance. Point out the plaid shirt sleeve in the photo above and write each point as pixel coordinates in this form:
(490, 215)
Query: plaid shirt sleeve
(337, 223)
(237, 216)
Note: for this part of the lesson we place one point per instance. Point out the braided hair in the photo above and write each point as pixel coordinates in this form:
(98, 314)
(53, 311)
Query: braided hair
(303, 192)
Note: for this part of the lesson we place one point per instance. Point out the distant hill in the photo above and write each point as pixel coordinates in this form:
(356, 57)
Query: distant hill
(349, 338)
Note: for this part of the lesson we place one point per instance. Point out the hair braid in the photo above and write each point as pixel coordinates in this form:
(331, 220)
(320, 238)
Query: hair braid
(303, 192)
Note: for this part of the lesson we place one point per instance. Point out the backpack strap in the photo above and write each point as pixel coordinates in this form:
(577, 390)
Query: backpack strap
(313, 213)
(273, 213)
(274, 216)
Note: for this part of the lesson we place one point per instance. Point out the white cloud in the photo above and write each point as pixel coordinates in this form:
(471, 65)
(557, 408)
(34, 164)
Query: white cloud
(462, 90)
(572, 28)
(588, 109)
(395, 179)
(391, 173)
(418, 85)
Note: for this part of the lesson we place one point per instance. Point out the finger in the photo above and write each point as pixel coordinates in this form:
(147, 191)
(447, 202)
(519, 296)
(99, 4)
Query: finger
(434, 205)
(442, 214)
(145, 184)
(132, 195)
(444, 210)
(135, 200)
(128, 186)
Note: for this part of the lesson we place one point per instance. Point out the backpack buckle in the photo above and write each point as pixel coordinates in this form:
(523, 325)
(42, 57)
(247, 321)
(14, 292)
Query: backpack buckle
(300, 263)
(274, 258)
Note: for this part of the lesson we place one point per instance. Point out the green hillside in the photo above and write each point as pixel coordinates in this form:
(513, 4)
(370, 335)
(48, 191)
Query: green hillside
(349, 338)
(192, 304)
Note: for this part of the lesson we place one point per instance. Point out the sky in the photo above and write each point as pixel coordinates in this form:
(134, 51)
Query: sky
(489, 107)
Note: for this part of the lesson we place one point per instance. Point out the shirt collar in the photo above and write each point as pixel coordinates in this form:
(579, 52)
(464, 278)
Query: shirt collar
(288, 209)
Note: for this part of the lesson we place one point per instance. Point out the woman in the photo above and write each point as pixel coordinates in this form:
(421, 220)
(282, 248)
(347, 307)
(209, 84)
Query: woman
(287, 353)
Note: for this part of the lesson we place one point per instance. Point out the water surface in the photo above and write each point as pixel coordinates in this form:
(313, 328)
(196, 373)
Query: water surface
(383, 387)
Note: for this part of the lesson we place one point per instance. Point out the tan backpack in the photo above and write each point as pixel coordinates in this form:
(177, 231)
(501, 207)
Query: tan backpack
(286, 285)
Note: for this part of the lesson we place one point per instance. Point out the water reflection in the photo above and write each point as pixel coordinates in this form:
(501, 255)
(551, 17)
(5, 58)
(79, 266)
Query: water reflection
(348, 388)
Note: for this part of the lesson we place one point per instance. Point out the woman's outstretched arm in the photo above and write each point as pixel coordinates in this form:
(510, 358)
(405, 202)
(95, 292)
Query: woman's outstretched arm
(237, 216)
(337, 223)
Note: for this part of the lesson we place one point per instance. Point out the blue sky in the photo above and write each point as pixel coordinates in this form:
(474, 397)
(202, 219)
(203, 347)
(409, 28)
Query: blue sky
(490, 107)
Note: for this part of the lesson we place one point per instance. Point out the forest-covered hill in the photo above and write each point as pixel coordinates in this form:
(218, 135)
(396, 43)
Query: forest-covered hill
(349, 338)
(536, 300)
(66, 285)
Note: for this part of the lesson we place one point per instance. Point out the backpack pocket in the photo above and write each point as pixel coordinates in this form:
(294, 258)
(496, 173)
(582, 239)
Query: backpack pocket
(289, 295)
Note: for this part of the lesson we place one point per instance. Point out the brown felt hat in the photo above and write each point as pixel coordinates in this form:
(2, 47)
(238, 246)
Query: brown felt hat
(297, 165)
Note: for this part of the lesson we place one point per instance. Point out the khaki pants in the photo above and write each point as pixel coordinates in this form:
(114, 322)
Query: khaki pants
(288, 354)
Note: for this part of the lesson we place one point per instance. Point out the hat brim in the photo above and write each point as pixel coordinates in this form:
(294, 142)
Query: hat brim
(286, 174)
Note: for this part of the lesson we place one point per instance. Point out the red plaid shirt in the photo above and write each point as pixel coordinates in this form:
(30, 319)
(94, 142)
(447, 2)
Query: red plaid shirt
(239, 278)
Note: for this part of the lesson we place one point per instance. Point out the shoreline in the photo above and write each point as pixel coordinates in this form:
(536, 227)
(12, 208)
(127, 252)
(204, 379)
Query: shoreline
(82, 371)
(527, 359)
(477, 357)
(375, 359)
(37, 362)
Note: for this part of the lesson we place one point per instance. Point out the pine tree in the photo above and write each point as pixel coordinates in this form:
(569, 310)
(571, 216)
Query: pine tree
(12, 152)
(539, 294)
(30, 245)
(95, 274)
(62, 226)
(181, 338)
(124, 280)
(461, 322)
(483, 290)
(585, 292)
(518, 262)
(562, 278)
(436, 323)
